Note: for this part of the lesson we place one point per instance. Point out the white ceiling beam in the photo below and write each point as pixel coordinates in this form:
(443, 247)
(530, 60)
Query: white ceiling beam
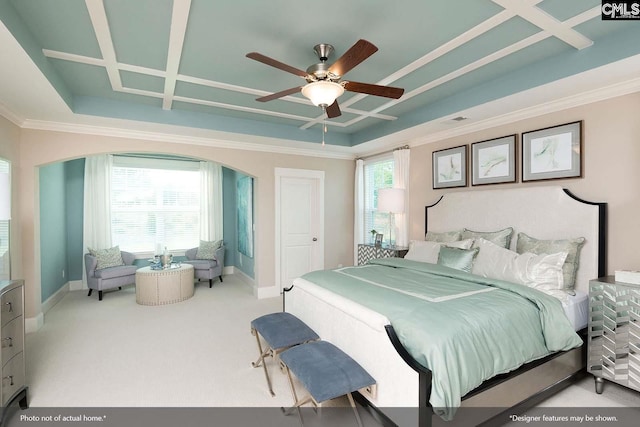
(179, 19)
(101, 28)
(546, 22)
(73, 58)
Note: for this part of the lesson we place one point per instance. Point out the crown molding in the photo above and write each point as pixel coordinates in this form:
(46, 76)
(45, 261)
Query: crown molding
(268, 145)
(14, 118)
(589, 97)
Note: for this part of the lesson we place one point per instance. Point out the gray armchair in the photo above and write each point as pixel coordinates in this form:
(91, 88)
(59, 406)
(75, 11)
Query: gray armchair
(206, 268)
(110, 277)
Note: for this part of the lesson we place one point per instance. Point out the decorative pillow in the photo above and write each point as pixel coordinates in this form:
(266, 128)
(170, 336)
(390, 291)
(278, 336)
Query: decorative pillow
(460, 259)
(447, 236)
(571, 246)
(207, 250)
(107, 257)
(542, 272)
(501, 237)
(426, 251)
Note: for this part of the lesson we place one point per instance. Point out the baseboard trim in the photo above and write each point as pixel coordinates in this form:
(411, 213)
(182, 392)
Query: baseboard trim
(55, 298)
(77, 285)
(33, 324)
(266, 292)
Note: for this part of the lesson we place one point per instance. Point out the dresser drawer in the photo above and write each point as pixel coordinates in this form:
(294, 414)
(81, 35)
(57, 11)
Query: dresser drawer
(11, 305)
(12, 339)
(12, 376)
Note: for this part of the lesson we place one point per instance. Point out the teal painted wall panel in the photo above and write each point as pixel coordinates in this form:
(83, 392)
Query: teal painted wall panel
(229, 214)
(242, 262)
(53, 229)
(74, 203)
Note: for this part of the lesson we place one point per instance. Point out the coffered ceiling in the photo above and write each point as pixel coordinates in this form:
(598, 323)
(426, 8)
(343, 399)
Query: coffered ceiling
(159, 64)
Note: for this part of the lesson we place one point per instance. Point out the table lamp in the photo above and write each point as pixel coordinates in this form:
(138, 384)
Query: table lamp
(391, 200)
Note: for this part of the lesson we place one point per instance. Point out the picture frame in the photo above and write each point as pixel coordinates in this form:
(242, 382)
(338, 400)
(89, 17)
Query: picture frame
(450, 167)
(378, 241)
(494, 161)
(552, 153)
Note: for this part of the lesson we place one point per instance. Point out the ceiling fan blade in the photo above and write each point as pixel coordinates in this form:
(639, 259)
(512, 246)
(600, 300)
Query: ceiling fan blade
(333, 110)
(355, 55)
(377, 90)
(279, 94)
(277, 64)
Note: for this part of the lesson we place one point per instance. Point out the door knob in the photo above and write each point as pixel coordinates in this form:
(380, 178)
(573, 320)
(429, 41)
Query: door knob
(315, 239)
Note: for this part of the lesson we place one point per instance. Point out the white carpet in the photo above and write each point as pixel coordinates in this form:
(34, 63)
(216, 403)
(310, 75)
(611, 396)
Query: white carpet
(196, 353)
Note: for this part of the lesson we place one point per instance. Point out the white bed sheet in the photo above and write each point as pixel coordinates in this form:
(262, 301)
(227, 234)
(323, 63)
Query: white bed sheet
(577, 309)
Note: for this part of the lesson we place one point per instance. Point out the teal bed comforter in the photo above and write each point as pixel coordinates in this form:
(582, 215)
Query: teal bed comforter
(464, 328)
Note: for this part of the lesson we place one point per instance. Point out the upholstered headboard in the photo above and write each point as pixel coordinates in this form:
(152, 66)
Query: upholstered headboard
(549, 212)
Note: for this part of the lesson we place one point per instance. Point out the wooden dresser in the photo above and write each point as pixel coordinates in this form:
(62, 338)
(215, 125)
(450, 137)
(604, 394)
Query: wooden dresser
(12, 386)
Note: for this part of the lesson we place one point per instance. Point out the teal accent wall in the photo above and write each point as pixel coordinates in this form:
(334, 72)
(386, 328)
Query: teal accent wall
(229, 215)
(74, 203)
(53, 229)
(233, 258)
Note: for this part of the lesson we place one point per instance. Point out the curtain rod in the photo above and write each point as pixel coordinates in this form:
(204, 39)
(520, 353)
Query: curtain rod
(404, 147)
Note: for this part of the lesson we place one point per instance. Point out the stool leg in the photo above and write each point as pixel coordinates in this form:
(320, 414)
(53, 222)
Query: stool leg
(261, 361)
(296, 403)
(355, 409)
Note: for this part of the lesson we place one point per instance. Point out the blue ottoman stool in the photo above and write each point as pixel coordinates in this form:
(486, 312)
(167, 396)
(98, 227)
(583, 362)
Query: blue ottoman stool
(326, 372)
(280, 331)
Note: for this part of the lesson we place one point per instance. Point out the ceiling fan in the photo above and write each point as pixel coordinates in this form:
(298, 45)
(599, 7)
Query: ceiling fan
(324, 82)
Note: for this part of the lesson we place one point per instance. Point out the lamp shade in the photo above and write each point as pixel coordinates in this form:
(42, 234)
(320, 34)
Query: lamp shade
(322, 92)
(5, 196)
(391, 200)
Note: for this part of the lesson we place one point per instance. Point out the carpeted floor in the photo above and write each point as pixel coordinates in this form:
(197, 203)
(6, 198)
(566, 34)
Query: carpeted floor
(196, 353)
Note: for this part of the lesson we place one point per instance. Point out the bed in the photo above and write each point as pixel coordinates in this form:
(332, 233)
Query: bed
(368, 336)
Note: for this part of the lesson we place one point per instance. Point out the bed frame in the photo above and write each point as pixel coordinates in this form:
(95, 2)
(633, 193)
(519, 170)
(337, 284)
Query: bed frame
(548, 212)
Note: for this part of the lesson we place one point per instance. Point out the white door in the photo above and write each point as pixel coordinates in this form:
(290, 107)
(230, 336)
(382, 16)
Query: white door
(300, 213)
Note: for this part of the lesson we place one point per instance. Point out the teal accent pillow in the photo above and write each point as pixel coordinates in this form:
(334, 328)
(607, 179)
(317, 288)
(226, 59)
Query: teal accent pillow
(460, 259)
(447, 236)
(571, 246)
(207, 250)
(501, 238)
(107, 257)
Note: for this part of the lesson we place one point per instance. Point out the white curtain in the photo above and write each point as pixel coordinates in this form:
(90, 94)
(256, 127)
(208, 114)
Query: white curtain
(401, 180)
(358, 217)
(211, 205)
(96, 228)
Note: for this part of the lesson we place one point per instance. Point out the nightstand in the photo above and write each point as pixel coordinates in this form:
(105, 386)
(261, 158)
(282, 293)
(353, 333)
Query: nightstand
(614, 332)
(368, 252)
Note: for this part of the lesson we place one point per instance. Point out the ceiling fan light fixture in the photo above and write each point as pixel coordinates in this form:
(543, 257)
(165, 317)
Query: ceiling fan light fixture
(322, 93)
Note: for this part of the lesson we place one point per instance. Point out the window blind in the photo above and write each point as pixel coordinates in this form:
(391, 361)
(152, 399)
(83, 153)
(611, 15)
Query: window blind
(378, 174)
(155, 203)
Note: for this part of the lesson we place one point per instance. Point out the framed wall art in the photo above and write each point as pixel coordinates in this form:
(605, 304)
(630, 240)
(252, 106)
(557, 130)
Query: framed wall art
(494, 161)
(552, 153)
(450, 167)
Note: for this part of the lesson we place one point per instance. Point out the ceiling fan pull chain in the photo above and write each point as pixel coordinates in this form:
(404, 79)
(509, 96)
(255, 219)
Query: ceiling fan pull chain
(324, 123)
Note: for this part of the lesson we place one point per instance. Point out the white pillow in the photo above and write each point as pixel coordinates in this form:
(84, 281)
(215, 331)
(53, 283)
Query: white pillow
(542, 272)
(427, 251)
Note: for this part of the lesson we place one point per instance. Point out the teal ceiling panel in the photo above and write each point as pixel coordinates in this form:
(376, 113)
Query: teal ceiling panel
(565, 9)
(142, 81)
(140, 31)
(60, 25)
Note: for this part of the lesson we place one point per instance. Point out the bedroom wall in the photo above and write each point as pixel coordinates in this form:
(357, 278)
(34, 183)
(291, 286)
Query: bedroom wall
(10, 150)
(53, 229)
(611, 149)
(39, 148)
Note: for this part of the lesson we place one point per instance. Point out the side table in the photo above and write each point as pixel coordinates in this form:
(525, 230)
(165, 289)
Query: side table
(368, 252)
(614, 331)
(166, 286)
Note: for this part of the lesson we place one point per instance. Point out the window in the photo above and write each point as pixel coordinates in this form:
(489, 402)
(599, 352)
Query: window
(155, 202)
(5, 168)
(377, 174)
